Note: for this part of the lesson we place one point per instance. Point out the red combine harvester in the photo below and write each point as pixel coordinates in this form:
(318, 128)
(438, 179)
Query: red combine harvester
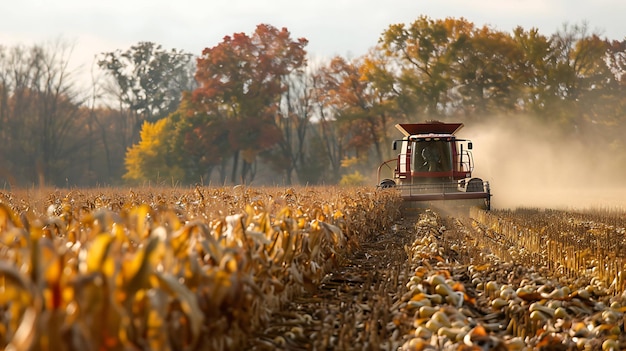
(434, 165)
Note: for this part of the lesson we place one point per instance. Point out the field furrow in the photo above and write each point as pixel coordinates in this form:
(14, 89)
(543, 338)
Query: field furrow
(352, 307)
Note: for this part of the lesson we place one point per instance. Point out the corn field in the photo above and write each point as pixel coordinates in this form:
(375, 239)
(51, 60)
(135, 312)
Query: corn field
(310, 268)
(165, 268)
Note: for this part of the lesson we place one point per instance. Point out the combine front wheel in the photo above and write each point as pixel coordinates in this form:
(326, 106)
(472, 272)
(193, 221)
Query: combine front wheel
(387, 183)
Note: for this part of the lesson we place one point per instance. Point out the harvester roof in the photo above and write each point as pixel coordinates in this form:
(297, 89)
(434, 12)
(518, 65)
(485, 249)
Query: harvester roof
(409, 129)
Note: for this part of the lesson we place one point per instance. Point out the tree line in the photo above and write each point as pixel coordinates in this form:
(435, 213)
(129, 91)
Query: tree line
(253, 109)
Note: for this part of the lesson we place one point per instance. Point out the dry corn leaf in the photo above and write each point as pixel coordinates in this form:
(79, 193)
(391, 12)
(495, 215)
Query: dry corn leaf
(8, 219)
(26, 333)
(140, 217)
(137, 271)
(188, 303)
(98, 251)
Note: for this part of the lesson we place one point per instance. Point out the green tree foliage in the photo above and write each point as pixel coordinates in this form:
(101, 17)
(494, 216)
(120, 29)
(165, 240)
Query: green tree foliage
(241, 82)
(615, 109)
(580, 75)
(486, 73)
(535, 65)
(200, 142)
(148, 82)
(451, 68)
(425, 51)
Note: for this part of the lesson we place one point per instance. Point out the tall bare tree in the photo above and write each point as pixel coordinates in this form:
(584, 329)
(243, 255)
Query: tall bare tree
(41, 124)
(293, 118)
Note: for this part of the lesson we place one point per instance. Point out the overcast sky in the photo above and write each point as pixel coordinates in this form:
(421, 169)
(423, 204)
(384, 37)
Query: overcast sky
(333, 27)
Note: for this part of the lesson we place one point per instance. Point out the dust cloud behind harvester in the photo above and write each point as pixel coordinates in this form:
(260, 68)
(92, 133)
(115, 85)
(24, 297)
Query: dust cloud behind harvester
(537, 166)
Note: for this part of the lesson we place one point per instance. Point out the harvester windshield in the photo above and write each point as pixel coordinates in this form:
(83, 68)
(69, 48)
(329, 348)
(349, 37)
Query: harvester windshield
(434, 156)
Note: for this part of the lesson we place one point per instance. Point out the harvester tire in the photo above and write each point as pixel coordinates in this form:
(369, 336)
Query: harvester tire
(474, 185)
(387, 183)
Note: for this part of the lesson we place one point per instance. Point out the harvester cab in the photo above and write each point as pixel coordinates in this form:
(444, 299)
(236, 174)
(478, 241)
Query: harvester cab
(434, 165)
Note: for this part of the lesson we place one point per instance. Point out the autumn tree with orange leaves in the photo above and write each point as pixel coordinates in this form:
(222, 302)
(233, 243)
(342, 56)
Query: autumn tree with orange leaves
(363, 109)
(241, 82)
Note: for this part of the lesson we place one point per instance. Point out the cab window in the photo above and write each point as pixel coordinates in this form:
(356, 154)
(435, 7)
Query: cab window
(432, 156)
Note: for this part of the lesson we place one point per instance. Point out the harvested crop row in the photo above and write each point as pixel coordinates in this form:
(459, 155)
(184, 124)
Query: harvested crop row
(575, 243)
(183, 269)
(464, 297)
